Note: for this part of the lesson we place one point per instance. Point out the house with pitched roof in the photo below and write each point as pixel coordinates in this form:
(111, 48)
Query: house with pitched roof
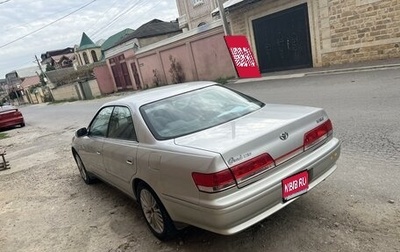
(33, 92)
(121, 62)
(57, 59)
(87, 52)
(151, 32)
(114, 39)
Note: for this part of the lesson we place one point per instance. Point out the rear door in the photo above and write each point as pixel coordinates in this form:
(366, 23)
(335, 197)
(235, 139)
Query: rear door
(120, 148)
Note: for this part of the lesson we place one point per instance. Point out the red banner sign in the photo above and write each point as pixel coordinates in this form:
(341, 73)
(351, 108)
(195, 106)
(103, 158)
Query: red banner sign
(242, 56)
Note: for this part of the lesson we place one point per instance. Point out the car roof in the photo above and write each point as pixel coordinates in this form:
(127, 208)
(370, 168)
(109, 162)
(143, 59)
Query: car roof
(150, 95)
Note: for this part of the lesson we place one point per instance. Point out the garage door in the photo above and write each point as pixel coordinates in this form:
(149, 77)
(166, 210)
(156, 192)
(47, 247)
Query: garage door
(283, 40)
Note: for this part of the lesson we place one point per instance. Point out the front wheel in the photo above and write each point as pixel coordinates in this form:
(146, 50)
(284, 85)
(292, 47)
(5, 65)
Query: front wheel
(82, 170)
(156, 216)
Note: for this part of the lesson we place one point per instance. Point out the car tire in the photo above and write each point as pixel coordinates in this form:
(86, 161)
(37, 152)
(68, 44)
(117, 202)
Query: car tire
(157, 218)
(22, 125)
(82, 170)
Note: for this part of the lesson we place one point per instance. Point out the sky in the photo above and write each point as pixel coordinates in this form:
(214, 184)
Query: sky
(33, 27)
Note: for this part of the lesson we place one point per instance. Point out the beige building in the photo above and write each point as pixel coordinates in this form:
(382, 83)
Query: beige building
(195, 13)
(289, 34)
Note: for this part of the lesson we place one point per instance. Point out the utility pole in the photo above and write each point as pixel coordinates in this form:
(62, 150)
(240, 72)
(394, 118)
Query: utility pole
(225, 24)
(45, 79)
(40, 67)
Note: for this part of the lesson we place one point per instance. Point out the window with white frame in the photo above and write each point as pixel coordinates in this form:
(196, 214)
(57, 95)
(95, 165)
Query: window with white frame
(197, 2)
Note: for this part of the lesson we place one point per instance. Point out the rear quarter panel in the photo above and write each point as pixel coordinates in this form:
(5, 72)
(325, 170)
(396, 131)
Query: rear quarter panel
(168, 169)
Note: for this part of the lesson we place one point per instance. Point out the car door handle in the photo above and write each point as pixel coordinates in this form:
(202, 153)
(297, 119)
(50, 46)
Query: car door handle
(129, 162)
(98, 153)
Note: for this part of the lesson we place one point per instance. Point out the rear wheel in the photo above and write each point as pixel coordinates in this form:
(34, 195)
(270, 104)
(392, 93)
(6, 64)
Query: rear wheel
(156, 216)
(82, 170)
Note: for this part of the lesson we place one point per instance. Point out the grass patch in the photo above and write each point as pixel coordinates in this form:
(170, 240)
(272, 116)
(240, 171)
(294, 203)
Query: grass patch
(3, 135)
(223, 80)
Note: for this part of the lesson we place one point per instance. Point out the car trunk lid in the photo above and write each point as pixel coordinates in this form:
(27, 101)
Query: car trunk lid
(278, 130)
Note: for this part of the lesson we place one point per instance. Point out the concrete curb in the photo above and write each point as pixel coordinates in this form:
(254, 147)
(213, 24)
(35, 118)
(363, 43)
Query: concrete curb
(354, 69)
(315, 72)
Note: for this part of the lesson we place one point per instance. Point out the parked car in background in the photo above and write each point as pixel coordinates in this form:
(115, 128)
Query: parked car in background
(202, 154)
(10, 116)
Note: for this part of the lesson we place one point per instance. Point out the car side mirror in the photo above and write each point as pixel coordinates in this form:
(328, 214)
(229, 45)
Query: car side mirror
(81, 132)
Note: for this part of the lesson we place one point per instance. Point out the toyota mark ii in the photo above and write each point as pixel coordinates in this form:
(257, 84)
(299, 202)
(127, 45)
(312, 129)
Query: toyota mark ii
(205, 155)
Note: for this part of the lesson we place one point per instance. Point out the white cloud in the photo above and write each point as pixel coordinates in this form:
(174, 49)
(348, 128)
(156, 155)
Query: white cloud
(99, 20)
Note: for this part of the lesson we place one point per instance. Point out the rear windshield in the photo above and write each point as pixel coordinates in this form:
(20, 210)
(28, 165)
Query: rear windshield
(7, 109)
(196, 110)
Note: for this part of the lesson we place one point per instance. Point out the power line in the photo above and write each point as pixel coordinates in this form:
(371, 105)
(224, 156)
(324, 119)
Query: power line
(39, 17)
(51, 23)
(117, 17)
(104, 14)
(5, 1)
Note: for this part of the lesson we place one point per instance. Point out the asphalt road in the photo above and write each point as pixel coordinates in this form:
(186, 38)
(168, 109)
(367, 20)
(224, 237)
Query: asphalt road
(356, 209)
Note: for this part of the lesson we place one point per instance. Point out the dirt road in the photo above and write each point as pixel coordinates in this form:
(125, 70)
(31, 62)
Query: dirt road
(45, 206)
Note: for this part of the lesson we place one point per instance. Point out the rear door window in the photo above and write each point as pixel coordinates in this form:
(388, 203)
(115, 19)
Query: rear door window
(121, 124)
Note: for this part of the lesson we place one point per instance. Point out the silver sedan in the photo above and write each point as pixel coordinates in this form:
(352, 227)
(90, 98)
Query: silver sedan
(204, 155)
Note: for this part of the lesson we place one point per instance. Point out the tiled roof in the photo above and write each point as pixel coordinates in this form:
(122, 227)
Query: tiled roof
(86, 43)
(70, 56)
(153, 28)
(48, 54)
(30, 81)
(111, 41)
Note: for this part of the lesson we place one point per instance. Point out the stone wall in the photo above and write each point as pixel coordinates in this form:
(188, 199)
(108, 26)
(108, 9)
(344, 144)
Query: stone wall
(341, 31)
(65, 92)
(73, 91)
(359, 30)
(94, 88)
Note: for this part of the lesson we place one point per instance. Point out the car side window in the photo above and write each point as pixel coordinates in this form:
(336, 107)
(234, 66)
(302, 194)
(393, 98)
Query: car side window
(99, 125)
(121, 125)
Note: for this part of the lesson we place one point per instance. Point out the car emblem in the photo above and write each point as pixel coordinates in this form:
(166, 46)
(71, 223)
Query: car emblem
(284, 136)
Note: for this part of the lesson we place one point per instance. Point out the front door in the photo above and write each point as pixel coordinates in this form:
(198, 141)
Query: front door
(92, 149)
(283, 40)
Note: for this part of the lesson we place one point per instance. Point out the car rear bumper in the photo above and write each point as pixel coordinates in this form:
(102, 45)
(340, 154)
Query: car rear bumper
(235, 211)
(6, 123)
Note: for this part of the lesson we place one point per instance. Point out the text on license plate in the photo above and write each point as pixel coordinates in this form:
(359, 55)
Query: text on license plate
(295, 185)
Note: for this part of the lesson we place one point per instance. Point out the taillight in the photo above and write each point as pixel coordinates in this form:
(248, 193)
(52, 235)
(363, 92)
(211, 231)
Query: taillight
(213, 182)
(219, 181)
(253, 166)
(317, 134)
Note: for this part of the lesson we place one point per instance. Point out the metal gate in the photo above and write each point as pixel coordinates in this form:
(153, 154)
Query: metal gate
(283, 40)
(86, 90)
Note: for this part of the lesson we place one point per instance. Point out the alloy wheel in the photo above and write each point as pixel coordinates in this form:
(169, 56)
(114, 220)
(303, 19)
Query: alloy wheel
(152, 211)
